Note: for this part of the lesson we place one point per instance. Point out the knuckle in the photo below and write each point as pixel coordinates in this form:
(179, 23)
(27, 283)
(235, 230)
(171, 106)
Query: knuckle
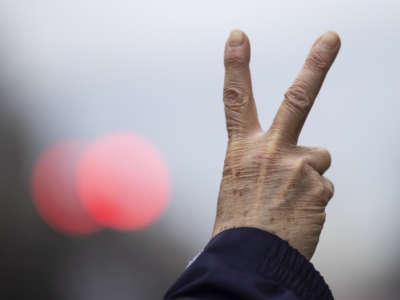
(300, 165)
(329, 193)
(320, 188)
(330, 189)
(297, 97)
(235, 97)
(320, 149)
(316, 61)
(323, 191)
(328, 159)
(324, 154)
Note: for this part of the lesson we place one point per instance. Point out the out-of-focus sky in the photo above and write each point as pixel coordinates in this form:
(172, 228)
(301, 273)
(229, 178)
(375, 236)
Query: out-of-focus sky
(79, 69)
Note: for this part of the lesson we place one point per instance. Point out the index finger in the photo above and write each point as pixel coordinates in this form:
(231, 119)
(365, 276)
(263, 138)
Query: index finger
(300, 97)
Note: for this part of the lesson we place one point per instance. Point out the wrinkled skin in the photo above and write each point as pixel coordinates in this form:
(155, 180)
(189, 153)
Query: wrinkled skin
(269, 182)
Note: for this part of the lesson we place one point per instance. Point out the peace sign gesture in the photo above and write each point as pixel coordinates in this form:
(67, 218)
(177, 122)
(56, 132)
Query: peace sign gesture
(269, 182)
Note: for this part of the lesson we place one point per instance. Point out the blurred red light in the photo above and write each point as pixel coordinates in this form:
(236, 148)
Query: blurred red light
(123, 181)
(54, 190)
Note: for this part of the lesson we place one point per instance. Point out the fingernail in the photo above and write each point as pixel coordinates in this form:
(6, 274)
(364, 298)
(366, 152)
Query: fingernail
(329, 39)
(236, 38)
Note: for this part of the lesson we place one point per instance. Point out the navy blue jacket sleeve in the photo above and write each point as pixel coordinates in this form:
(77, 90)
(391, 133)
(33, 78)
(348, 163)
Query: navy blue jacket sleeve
(249, 264)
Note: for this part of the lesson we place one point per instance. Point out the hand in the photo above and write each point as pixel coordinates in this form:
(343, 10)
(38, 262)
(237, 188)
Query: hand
(269, 182)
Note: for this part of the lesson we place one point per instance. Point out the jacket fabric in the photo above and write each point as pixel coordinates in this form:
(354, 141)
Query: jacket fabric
(249, 264)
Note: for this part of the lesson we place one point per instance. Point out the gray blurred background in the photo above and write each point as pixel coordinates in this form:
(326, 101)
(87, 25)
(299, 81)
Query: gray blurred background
(79, 69)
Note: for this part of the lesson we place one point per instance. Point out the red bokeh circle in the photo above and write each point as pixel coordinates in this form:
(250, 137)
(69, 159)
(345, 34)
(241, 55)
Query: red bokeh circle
(54, 190)
(123, 181)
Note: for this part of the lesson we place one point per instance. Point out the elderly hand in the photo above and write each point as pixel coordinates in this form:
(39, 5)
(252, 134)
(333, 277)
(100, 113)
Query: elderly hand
(269, 182)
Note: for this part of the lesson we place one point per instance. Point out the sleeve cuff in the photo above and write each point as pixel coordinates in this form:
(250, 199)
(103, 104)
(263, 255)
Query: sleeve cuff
(254, 250)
